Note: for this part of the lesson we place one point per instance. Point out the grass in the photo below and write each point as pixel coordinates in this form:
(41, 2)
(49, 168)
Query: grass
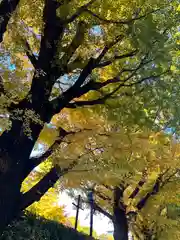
(30, 227)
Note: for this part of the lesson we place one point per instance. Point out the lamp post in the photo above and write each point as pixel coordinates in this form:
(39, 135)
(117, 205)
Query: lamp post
(78, 206)
(91, 202)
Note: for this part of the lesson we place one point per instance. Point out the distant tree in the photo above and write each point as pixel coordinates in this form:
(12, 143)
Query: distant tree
(137, 193)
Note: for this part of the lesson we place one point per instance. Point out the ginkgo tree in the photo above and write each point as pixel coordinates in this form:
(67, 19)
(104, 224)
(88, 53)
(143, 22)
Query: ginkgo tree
(138, 188)
(69, 54)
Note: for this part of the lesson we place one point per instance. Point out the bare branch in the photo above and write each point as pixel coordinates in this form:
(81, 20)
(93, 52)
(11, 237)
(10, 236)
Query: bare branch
(85, 103)
(99, 100)
(91, 85)
(60, 102)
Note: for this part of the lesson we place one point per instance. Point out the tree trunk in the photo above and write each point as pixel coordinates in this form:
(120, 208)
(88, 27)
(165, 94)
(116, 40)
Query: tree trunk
(119, 218)
(10, 186)
(15, 149)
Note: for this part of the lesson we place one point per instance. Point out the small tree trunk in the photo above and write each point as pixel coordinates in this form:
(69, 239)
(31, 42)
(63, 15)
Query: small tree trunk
(119, 218)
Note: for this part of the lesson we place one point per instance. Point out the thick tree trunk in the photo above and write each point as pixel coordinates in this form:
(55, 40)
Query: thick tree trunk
(10, 186)
(119, 218)
(16, 145)
(15, 149)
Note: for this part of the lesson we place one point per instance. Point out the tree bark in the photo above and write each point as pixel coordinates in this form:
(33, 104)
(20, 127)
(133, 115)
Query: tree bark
(37, 191)
(10, 186)
(119, 217)
(15, 144)
(15, 149)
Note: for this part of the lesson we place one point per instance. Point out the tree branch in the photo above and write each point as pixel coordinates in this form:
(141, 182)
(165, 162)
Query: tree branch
(152, 77)
(108, 62)
(2, 90)
(43, 80)
(37, 191)
(154, 190)
(93, 63)
(30, 55)
(127, 21)
(100, 195)
(59, 4)
(60, 102)
(63, 100)
(53, 32)
(107, 47)
(96, 101)
(91, 85)
(7, 7)
(76, 42)
(108, 187)
(167, 180)
(48, 181)
(37, 160)
(139, 185)
(159, 183)
(101, 210)
(114, 80)
(79, 11)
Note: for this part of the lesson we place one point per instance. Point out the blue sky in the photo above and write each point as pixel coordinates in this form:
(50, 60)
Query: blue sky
(6, 61)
